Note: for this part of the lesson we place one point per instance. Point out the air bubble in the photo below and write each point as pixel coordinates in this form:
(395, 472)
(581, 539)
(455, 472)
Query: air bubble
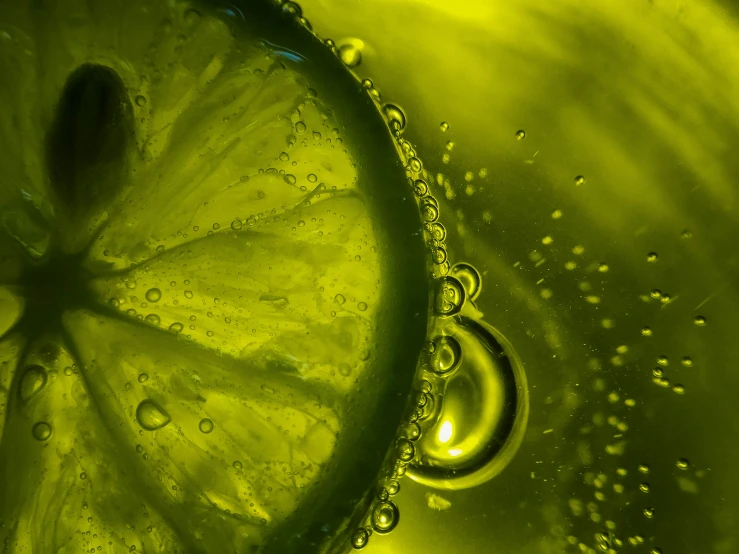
(141, 101)
(236, 225)
(176, 327)
(385, 517)
(447, 355)
(153, 295)
(34, 379)
(350, 55)
(292, 8)
(438, 255)
(469, 277)
(340, 299)
(153, 319)
(405, 450)
(429, 210)
(41, 431)
(360, 538)
(143, 377)
(151, 416)
(395, 117)
(188, 294)
(450, 296)
(412, 431)
(206, 425)
(482, 409)
(437, 231)
(420, 187)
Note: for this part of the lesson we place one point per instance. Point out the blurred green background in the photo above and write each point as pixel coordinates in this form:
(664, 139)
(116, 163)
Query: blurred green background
(640, 98)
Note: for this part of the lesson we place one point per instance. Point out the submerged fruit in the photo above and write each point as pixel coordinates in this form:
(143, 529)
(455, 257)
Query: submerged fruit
(174, 235)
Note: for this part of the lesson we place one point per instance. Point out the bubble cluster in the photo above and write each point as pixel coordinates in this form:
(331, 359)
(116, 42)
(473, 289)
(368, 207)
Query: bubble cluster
(446, 441)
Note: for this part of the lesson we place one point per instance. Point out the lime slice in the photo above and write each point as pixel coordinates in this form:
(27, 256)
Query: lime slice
(212, 288)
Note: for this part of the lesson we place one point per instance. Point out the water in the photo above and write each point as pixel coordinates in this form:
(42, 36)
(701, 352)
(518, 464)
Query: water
(587, 109)
(564, 305)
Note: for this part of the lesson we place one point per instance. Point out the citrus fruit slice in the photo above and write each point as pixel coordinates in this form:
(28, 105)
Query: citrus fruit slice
(212, 289)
